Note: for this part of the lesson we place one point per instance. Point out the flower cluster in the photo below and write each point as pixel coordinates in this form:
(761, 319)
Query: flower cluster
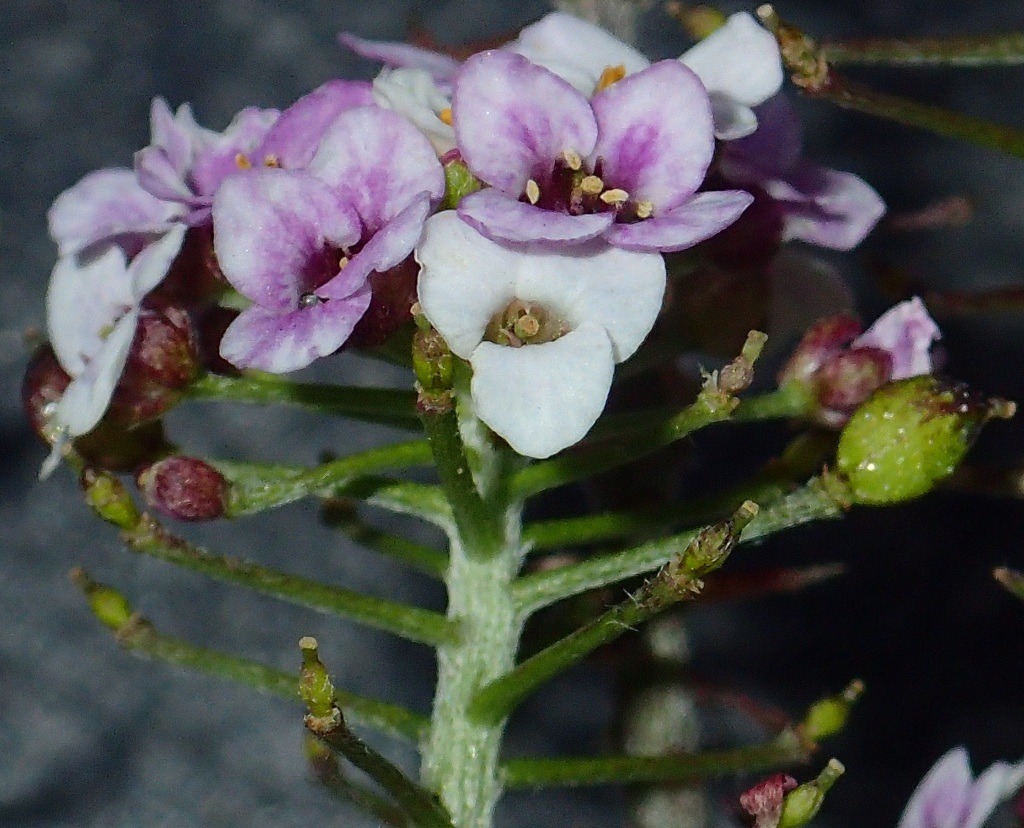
(588, 163)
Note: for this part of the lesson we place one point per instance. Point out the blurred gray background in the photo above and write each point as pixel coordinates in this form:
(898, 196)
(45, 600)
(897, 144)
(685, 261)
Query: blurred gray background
(90, 736)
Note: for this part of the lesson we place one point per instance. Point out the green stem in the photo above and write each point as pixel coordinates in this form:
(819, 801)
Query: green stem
(819, 499)
(384, 406)
(416, 500)
(256, 487)
(785, 750)
(677, 581)
(413, 623)
(789, 401)
(326, 767)
(342, 515)
(982, 50)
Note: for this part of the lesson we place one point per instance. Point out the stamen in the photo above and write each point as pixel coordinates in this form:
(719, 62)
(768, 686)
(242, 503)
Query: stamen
(610, 75)
(446, 115)
(532, 191)
(271, 160)
(572, 158)
(615, 196)
(644, 209)
(592, 185)
(342, 263)
(242, 162)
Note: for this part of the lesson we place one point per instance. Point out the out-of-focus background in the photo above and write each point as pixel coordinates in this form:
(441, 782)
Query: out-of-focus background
(92, 737)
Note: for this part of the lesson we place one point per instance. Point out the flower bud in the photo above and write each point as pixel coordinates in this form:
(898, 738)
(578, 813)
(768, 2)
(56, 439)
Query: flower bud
(391, 301)
(109, 498)
(458, 180)
(802, 804)
(107, 604)
(194, 278)
(909, 436)
(846, 380)
(184, 488)
(764, 800)
(44, 383)
(164, 358)
(828, 716)
(823, 341)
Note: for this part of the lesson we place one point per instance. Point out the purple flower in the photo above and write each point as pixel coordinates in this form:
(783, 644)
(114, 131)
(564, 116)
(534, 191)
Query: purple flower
(624, 165)
(543, 328)
(301, 244)
(950, 797)
(825, 207)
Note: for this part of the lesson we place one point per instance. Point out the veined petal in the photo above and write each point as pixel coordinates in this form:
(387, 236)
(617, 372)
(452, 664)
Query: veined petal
(513, 119)
(826, 207)
(218, 156)
(942, 792)
(269, 224)
(413, 93)
(150, 265)
(379, 162)
(293, 139)
(543, 398)
(388, 247)
(733, 120)
(83, 301)
(87, 396)
(906, 332)
(286, 341)
(173, 134)
(503, 218)
(441, 67)
(464, 280)
(656, 136)
(684, 226)
(103, 205)
(619, 290)
(575, 50)
(741, 60)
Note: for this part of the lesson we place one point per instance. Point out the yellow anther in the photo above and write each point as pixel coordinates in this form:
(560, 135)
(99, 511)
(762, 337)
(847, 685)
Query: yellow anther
(644, 209)
(615, 196)
(342, 263)
(446, 115)
(271, 160)
(610, 75)
(242, 162)
(572, 159)
(532, 191)
(592, 185)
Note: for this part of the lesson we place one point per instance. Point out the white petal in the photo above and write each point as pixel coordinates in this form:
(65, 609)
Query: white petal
(464, 280)
(733, 120)
(151, 264)
(414, 94)
(87, 397)
(740, 60)
(83, 299)
(543, 398)
(618, 289)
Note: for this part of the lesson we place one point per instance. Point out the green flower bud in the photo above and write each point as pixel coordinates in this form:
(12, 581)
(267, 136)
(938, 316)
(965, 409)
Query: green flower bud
(107, 604)
(803, 803)
(458, 182)
(910, 435)
(109, 498)
(828, 716)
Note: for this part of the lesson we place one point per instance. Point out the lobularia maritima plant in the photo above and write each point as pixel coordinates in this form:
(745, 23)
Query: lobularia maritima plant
(523, 230)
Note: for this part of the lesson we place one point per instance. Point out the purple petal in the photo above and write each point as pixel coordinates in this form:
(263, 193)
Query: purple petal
(826, 207)
(404, 55)
(379, 161)
(218, 156)
(387, 248)
(162, 167)
(106, 204)
(293, 139)
(684, 226)
(575, 50)
(269, 225)
(906, 332)
(501, 218)
(514, 119)
(656, 135)
(942, 793)
(770, 152)
(280, 342)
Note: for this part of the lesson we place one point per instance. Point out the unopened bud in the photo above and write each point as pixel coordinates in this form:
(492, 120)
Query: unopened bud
(828, 716)
(849, 378)
(44, 383)
(764, 801)
(109, 498)
(824, 340)
(184, 488)
(107, 604)
(909, 436)
(194, 278)
(803, 803)
(458, 180)
(164, 358)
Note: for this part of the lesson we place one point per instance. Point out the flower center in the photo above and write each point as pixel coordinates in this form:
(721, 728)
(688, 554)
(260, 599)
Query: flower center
(525, 323)
(574, 189)
(319, 269)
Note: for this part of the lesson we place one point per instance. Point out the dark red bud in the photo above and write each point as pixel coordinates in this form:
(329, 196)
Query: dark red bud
(764, 801)
(44, 383)
(163, 359)
(184, 488)
(826, 338)
(849, 378)
(394, 292)
(194, 278)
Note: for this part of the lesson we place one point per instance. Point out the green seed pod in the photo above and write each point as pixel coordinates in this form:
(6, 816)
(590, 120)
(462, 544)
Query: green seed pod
(910, 435)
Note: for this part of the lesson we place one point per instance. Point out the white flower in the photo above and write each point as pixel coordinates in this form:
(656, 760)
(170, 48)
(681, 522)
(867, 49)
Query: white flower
(950, 797)
(92, 307)
(594, 305)
(414, 94)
